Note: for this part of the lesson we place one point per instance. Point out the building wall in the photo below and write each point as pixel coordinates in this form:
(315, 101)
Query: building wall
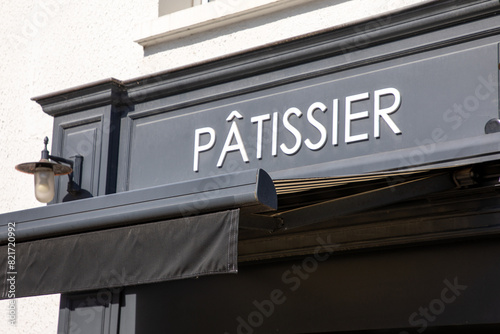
(50, 45)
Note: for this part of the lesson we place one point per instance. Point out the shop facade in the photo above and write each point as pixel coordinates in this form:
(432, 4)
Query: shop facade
(342, 181)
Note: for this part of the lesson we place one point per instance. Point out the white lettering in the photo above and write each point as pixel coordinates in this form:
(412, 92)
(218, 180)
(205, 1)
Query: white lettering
(202, 148)
(322, 130)
(351, 117)
(384, 113)
(335, 123)
(260, 122)
(234, 132)
(386, 102)
(293, 130)
(274, 150)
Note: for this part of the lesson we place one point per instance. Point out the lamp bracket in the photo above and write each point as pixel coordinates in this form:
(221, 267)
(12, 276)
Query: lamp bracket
(76, 162)
(75, 177)
(61, 160)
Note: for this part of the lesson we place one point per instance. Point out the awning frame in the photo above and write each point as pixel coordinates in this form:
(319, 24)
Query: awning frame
(86, 244)
(252, 190)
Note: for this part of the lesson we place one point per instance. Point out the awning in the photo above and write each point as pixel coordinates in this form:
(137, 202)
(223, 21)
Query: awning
(190, 229)
(163, 233)
(320, 199)
(374, 210)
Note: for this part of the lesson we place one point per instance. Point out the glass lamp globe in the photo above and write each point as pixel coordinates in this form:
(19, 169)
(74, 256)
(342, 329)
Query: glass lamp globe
(44, 184)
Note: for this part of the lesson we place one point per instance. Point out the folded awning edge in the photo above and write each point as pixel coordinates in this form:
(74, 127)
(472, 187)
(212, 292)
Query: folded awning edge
(253, 190)
(141, 254)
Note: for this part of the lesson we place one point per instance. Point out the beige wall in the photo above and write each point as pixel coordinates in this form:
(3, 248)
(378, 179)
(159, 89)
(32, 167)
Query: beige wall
(49, 45)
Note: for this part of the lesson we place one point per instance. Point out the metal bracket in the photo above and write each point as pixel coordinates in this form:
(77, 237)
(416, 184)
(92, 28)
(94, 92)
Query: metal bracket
(465, 177)
(76, 162)
(75, 177)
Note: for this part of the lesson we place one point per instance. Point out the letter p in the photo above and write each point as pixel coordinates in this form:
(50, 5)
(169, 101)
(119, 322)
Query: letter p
(202, 148)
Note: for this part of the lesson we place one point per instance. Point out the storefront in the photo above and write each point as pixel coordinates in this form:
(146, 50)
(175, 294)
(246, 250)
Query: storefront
(342, 181)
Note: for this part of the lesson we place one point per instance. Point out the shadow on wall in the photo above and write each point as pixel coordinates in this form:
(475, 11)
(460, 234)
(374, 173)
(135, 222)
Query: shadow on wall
(80, 195)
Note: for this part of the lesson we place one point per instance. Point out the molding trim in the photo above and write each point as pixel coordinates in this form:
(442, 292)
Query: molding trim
(231, 70)
(92, 95)
(333, 42)
(202, 18)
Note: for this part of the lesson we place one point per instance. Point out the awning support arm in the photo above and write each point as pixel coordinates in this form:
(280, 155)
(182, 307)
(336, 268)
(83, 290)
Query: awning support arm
(324, 211)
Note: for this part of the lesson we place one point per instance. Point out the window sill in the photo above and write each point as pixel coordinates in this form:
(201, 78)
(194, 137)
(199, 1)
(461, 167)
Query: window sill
(208, 16)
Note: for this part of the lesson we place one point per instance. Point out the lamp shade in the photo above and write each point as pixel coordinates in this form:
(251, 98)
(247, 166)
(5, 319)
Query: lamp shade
(44, 171)
(31, 167)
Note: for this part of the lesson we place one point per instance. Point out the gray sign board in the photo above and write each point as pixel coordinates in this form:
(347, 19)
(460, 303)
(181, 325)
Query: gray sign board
(395, 115)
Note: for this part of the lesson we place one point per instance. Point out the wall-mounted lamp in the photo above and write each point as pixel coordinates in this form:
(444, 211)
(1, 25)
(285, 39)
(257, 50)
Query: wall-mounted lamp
(45, 170)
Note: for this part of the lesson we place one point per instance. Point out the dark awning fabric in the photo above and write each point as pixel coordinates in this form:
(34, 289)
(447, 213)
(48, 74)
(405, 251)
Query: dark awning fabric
(168, 232)
(145, 253)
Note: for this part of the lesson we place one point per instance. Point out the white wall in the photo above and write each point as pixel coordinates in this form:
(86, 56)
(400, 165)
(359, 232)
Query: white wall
(49, 45)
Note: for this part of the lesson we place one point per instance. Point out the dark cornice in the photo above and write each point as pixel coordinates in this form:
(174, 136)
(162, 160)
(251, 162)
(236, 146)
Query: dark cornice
(92, 95)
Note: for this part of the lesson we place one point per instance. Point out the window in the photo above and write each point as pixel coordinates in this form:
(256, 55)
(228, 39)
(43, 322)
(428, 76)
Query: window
(169, 6)
(180, 18)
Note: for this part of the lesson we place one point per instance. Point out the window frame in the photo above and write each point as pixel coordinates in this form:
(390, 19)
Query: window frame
(212, 14)
(165, 6)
